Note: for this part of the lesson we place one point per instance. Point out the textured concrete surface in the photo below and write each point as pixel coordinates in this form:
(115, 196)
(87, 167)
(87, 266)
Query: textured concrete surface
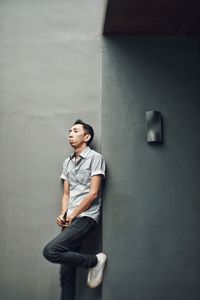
(49, 77)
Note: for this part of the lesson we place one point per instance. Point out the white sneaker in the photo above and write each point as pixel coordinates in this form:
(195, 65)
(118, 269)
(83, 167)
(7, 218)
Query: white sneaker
(95, 274)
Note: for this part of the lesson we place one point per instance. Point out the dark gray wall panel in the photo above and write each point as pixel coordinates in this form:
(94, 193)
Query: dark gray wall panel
(47, 52)
(151, 223)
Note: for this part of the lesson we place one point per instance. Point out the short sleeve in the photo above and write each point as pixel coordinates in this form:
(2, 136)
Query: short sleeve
(98, 165)
(64, 170)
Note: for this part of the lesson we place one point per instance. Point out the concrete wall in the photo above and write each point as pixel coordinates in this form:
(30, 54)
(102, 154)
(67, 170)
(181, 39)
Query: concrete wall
(49, 77)
(151, 223)
(50, 74)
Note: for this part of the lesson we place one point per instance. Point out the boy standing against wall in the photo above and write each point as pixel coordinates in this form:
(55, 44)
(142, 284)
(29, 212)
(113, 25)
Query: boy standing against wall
(82, 173)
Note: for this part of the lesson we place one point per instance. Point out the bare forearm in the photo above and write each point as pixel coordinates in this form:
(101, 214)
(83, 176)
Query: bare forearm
(95, 190)
(84, 205)
(61, 219)
(64, 204)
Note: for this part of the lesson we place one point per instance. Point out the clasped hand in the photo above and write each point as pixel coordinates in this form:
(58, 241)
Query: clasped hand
(63, 221)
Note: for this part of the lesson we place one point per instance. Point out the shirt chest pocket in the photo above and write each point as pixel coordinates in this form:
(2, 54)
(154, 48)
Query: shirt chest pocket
(83, 176)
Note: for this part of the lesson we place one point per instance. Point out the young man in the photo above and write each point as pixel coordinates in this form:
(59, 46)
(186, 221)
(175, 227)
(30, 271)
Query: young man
(82, 173)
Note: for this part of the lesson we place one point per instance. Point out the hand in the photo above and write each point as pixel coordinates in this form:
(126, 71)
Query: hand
(61, 221)
(69, 219)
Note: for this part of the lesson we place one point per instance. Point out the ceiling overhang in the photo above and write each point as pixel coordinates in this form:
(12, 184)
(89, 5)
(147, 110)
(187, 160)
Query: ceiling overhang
(152, 17)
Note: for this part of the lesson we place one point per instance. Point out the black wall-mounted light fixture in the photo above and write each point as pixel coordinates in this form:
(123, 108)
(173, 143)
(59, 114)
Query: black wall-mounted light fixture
(154, 127)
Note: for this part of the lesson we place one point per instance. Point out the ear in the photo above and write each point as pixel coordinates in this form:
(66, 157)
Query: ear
(87, 137)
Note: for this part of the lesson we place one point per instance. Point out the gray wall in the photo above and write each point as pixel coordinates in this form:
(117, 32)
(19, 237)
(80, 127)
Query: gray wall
(151, 220)
(49, 76)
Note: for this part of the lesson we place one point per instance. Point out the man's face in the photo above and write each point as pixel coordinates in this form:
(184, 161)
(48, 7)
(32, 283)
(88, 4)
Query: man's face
(77, 136)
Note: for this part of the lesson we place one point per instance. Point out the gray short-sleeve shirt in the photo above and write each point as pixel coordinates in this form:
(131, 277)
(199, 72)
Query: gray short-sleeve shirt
(79, 174)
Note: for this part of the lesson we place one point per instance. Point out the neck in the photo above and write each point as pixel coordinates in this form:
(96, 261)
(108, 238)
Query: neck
(80, 149)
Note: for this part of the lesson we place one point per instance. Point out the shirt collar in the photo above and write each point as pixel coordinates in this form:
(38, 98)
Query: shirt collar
(83, 154)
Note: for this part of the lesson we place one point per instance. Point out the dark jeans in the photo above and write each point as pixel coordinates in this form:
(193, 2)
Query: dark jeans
(64, 249)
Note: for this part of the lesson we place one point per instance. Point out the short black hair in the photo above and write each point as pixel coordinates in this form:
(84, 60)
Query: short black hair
(87, 128)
